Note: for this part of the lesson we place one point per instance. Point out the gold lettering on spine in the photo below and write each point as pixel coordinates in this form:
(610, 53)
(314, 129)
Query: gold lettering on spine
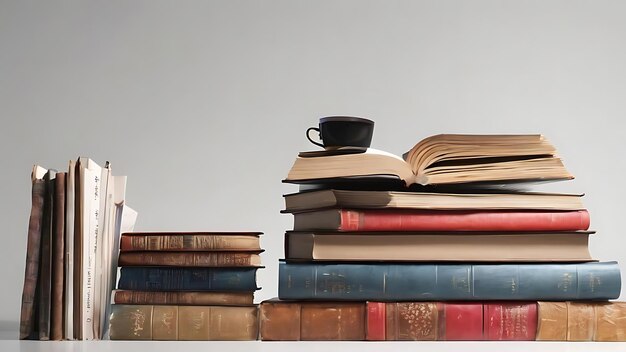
(138, 320)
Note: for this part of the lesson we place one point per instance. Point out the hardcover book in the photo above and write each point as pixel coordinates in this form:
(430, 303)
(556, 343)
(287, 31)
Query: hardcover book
(187, 279)
(183, 298)
(190, 241)
(581, 321)
(347, 220)
(438, 247)
(190, 323)
(447, 282)
(370, 199)
(190, 259)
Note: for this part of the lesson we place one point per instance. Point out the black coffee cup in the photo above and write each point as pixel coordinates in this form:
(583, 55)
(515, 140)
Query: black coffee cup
(343, 131)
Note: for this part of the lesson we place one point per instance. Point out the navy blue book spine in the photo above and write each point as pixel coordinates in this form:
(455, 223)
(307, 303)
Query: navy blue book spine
(187, 279)
(445, 282)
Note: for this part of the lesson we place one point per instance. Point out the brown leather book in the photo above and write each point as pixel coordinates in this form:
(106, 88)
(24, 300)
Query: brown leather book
(581, 321)
(45, 262)
(192, 323)
(314, 321)
(27, 318)
(191, 259)
(190, 241)
(183, 298)
(58, 255)
(610, 321)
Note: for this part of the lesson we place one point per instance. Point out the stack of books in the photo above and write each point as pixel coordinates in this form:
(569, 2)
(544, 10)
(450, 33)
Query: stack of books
(440, 245)
(75, 223)
(187, 286)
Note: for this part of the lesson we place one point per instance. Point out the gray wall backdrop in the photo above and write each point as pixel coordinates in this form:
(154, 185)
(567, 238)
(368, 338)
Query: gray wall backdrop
(204, 104)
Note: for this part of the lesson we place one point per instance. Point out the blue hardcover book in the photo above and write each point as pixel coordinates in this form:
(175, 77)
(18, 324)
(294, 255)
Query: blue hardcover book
(187, 279)
(444, 282)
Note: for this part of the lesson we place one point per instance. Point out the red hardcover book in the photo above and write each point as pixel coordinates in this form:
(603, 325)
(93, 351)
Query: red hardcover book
(510, 321)
(460, 321)
(376, 315)
(441, 220)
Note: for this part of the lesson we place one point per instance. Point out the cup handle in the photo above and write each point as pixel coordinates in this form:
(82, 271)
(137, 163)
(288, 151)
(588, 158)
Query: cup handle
(309, 137)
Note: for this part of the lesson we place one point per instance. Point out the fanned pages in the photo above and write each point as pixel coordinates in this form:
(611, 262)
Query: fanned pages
(441, 159)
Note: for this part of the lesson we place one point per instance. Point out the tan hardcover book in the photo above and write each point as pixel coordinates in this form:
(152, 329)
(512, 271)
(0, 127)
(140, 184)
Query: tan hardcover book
(192, 323)
(440, 159)
(313, 321)
(332, 198)
(183, 298)
(190, 259)
(190, 241)
(449, 246)
(413, 321)
(580, 321)
(552, 321)
(610, 321)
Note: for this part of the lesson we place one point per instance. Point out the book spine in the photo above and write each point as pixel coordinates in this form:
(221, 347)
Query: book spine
(420, 282)
(373, 220)
(192, 259)
(46, 259)
(376, 315)
(191, 323)
(187, 279)
(58, 255)
(33, 250)
(510, 321)
(183, 298)
(187, 242)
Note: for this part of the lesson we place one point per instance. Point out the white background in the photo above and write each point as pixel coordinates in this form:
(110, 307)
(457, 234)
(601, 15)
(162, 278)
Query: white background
(204, 104)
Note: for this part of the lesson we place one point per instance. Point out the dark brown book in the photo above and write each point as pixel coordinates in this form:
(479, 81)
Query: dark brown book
(190, 241)
(191, 323)
(313, 321)
(33, 250)
(58, 255)
(183, 298)
(189, 259)
(45, 263)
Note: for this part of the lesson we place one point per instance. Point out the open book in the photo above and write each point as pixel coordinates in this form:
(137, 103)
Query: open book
(440, 159)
